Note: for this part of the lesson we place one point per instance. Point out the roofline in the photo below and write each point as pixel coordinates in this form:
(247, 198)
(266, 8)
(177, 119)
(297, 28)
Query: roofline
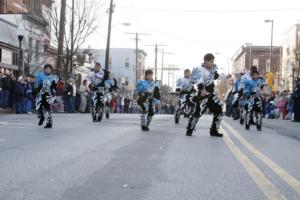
(241, 50)
(297, 25)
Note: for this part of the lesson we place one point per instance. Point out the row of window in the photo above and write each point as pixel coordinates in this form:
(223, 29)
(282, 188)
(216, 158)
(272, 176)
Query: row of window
(37, 49)
(127, 64)
(8, 57)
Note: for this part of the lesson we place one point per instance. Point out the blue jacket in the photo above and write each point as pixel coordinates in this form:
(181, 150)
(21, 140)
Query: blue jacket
(253, 86)
(28, 90)
(142, 86)
(45, 82)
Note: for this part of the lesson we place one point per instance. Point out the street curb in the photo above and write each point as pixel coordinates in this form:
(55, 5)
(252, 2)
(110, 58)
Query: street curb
(6, 111)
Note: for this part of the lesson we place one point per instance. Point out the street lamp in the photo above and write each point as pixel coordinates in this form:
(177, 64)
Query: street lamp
(123, 24)
(21, 33)
(271, 47)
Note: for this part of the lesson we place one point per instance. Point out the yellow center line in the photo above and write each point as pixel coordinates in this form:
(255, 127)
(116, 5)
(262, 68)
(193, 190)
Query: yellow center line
(286, 177)
(270, 190)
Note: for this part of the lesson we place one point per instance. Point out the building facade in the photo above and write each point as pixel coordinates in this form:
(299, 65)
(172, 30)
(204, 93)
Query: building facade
(36, 37)
(290, 57)
(259, 56)
(122, 65)
(15, 6)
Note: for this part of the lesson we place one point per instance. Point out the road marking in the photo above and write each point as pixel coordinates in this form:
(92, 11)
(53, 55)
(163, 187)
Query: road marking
(5, 123)
(270, 190)
(286, 177)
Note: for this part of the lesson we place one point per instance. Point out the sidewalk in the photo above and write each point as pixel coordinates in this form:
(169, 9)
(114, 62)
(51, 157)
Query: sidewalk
(284, 127)
(6, 111)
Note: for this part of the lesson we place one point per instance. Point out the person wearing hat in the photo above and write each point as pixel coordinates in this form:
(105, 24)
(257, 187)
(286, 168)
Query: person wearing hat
(44, 88)
(296, 98)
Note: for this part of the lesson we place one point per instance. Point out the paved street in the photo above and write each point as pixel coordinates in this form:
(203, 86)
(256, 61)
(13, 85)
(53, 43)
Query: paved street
(81, 160)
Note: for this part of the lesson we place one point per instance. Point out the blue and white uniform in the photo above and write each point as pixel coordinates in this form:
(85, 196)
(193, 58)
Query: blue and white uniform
(186, 88)
(148, 92)
(252, 90)
(204, 78)
(45, 88)
(96, 78)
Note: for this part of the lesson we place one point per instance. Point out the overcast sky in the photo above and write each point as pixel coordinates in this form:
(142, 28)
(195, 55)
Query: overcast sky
(192, 28)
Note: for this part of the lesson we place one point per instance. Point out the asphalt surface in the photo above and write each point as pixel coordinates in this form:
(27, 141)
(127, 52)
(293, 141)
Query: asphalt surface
(113, 159)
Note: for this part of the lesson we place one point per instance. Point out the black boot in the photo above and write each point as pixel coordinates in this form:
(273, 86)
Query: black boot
(241, 120)
(247, 126)
(94, 116)
(215, 133)
(42, 119)
(190, 127)
(48, 125)
(189, 132)
(145, 128)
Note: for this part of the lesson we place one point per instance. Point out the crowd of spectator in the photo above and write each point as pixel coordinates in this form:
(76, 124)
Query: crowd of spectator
(17, 94)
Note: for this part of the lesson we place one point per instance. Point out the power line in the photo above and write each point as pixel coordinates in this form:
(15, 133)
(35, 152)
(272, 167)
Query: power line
(212, 11)
(137, 52)
(156, 51)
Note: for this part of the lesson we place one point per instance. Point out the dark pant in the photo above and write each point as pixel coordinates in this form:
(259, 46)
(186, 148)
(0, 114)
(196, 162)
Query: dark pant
(4, 98)
(70, 104)
(297, 109)
(27, 104)
(19, 107)
(213, 103)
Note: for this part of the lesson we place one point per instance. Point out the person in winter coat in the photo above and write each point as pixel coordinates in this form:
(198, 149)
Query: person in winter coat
(84, 91)
(27, 104)
(19, 95)
(296, 98)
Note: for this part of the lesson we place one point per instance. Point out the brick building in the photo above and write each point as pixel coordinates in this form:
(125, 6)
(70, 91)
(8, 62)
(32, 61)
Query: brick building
(259, 56)
(36, 38)
(15, 6)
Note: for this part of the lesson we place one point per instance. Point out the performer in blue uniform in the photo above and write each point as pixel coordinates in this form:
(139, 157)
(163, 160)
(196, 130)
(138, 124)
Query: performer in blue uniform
(239, 101)
(204, 77)
(254, 103)
(44, 88)
(148, 94)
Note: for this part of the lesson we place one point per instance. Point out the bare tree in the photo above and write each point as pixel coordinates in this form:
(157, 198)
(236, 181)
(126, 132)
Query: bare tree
(86, 13)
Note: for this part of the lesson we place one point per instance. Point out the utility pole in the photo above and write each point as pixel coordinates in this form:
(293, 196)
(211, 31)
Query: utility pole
(60, 52)
(137, 52)
(162, 63)
(72, 37)
(173, 68)
(156, 50)
(271, 47)
(108, 35)
(162, 66)
(136, 56)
